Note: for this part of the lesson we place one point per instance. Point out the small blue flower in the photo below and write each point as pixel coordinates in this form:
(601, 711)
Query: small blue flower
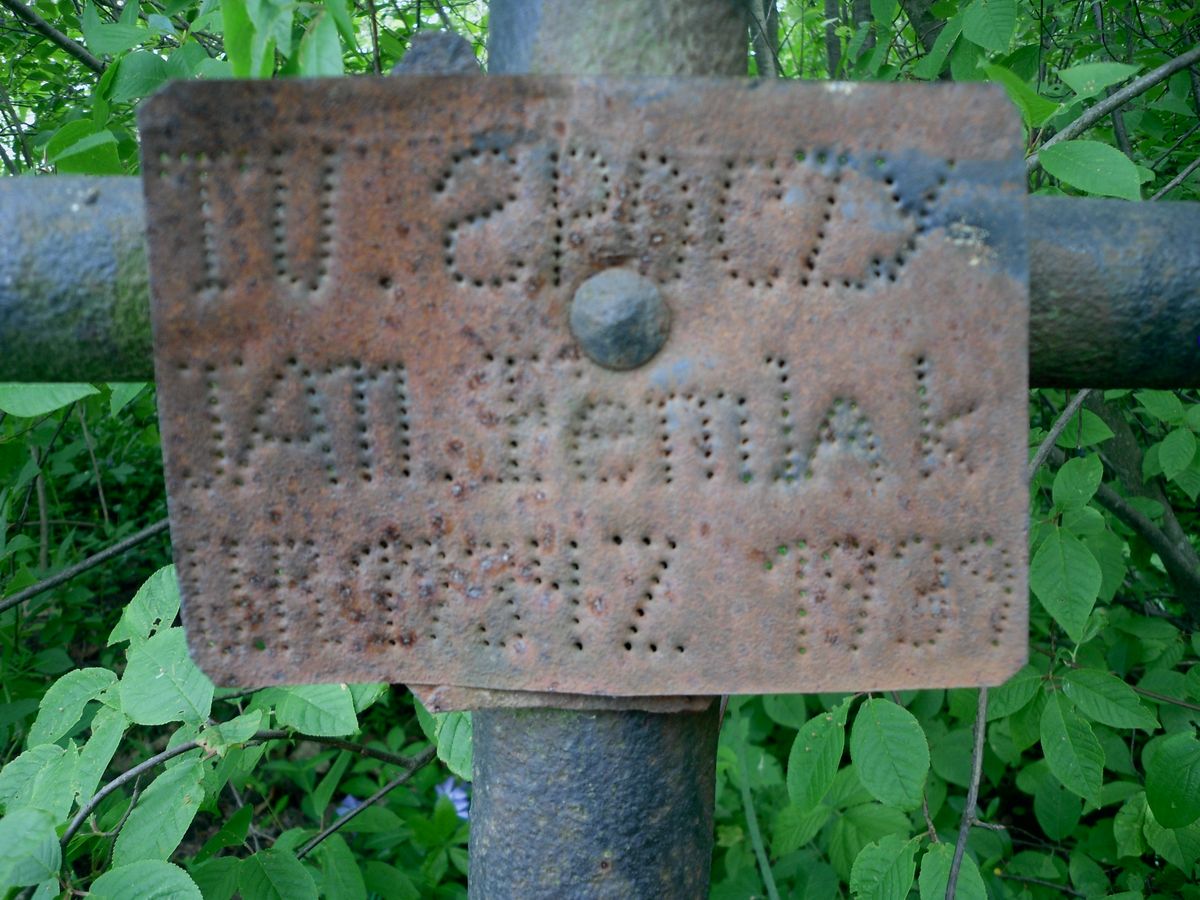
(348, 803)
(457, 794)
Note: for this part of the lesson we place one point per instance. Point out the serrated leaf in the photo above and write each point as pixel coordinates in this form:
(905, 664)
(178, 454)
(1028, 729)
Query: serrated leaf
(859, 826)
(29, 849)
(236, 731)
(1075, 483)
(326, 710)
(935, 872)
(321, 48)
(1035, 109)
(1089, 79)
(1086, 429)
(815, 756)
(884, 870)
(108, 727)
(930, 65)
(107, 38)
(1109, 551)
(365, 695)
(217, 878)
(45, 777)
(161, 683)
(340, 874)
(123, 393)
(1107, 699)
(147, 879)
(890, 753)
(275, 875)
(153, 607)
(1178, 846)
(1176, 452)
(1056, 809)
(990, 23)
(1071, 749)
(1014, 694)
(62, 705)
(141, 73)
(162, 815)
(1173, 779)
(1093, 167)
(31, 400)
(1065, 577)
(795, 827)
(454, 742)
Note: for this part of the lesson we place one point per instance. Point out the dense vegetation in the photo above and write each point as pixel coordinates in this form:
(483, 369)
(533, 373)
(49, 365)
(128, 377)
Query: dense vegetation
(124, 772)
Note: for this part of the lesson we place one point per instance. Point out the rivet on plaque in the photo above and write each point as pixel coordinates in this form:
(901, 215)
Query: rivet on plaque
(577, 388)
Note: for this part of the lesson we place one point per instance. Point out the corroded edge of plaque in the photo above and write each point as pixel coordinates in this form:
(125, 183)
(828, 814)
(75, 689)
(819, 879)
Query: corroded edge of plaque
(389, 460)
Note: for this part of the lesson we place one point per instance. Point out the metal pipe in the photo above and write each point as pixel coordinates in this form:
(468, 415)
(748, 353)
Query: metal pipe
(1114, 287)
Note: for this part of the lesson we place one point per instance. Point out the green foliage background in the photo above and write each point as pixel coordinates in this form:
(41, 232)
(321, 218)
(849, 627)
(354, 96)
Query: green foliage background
(1087, 763)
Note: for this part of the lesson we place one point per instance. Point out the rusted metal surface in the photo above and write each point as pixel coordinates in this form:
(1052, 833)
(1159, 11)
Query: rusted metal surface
(376, 418)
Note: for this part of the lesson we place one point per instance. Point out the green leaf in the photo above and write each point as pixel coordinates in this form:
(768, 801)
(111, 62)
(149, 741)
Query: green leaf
(340, 875)
(1035, 109)
(1089, 79)
(366, 695)
(320, 709)
(320, 48)
(217, 878)
(454, 742)
(1076, 482)
(890, 753)
(275, 875)
(861, 825)
(161, 683)
(1085, 429)
(815, 756)
(884, 870)
(107, 38)
(45, 777)
(1014, 694)
(1092, 167)
(94, 154)
(1071, 749)
(141, 73)
(931, 65)
(935, 872)
(1178, 846)
(795, 827)
(238, 32)
(162, 815)
(990, 23)
(29, 400)
(62, 705)
(1173, 779)
(108, 727)
(1107, 699)
(147, 879)
(153, 607)
(1177, 451)
(123, 393)
(1128, 824)
(1056, 809)
(29, 849)
(1065, 577)
(1162, 405)
(236, 731)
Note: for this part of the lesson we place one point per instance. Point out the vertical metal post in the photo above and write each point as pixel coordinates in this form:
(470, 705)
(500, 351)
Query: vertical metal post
(600, 803)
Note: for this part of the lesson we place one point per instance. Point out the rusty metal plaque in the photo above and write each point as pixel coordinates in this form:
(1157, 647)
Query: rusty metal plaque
(392, 455)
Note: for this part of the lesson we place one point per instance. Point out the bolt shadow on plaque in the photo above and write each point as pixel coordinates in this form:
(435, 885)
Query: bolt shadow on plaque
(601, 386)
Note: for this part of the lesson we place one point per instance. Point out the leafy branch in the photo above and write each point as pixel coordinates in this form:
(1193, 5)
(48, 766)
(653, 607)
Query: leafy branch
(77, 50)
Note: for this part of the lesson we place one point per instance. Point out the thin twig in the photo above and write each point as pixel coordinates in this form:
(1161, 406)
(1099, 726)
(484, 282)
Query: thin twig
(1178, 179)
(764, 862)
(261, 737)
(418, 761)
(22, 139)
(1055, 430)
(968, 815)
(375, 60)
(1163, 698)
(1175, 146)
(39, 484)
(80, 567)
(91, 449)
(1029, 879)
(1117, 100)
(77, 50)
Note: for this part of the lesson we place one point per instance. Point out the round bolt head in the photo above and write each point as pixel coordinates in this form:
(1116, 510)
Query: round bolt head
(619, 319)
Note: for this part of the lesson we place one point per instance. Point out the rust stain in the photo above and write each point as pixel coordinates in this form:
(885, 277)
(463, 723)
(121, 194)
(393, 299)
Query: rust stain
(388, 461)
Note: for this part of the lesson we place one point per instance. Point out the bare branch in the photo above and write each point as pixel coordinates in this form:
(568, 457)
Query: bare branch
(79, 568)
(421, 759)
(1178, 179)
(1055, 430)
(968, 814)
(77, 50)
(1118, 99)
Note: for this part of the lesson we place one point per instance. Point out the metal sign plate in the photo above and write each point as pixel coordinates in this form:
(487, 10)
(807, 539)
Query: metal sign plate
(389, 460)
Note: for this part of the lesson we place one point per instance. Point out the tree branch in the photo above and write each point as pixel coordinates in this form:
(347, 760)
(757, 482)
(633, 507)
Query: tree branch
(418, 761)
(968, 813)
(1178, 179)
(77, 50)
(1117, 100)
(80, 567)
(1055, 430)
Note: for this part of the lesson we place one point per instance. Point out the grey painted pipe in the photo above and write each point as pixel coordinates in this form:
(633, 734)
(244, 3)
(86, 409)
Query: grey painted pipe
(1114, 287)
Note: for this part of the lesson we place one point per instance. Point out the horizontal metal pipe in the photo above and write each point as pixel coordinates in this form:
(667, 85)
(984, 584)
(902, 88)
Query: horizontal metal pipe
(1114, 287)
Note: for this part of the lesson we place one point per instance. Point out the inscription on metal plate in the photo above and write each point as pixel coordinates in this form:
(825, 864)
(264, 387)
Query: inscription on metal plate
(389, 460)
